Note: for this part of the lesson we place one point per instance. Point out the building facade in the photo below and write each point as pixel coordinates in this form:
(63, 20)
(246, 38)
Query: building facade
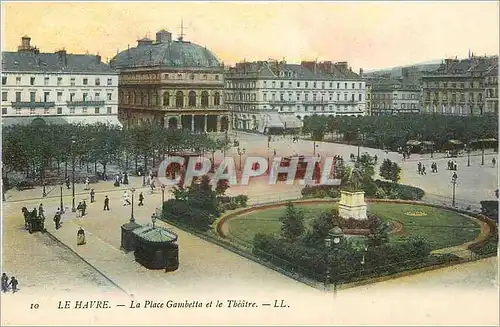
(270, 94)
(462, 87)
(394, 97)
(175, 84)
(57, 87)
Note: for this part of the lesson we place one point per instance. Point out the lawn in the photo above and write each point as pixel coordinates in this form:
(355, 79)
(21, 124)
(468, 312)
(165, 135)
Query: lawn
(440, 227)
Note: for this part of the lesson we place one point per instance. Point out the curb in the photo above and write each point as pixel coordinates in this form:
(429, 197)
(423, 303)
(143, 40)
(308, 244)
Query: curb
(88, 263)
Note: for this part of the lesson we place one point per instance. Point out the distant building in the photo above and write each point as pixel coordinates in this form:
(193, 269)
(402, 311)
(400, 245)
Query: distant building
(268, 95)
(394, 97)
(57, 87)
(462, 87)
(173, 83)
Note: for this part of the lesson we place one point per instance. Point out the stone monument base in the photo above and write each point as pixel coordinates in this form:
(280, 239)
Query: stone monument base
(352, 205)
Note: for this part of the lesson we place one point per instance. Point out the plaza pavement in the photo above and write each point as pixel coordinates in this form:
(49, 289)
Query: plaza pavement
(205, 269)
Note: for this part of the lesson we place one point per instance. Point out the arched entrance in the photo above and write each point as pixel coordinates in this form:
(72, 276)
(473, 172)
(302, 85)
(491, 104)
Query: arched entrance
(173, 122)
(38, 122)
(224, 124)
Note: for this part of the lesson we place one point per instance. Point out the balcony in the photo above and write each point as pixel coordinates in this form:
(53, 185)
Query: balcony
(86, 103)
(348, 102)
(282, 102)
(32, 104)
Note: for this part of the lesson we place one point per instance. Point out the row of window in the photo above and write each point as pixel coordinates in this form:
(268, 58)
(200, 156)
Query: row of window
(315, 97)
(143, 99)
(403, 106)
(299, 108)
(475, 84)
(444, 96)
(290, 84)
(49, 80)
(404, 96)
(46, 97)
(59, 111)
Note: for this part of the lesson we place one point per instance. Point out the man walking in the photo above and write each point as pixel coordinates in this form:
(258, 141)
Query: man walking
(57, 219)
(41, 211)
(141, 198)
(13, 284)
(92, 196)
(493, 162)
(67, 183)
(5, 282)
(84, 207)
(106, 203)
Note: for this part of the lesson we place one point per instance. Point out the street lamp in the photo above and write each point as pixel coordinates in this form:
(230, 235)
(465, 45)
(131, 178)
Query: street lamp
(61, 204)
(153, 219)
(132, 219)
(162, 194)
(73, 141)
(334, 238)
(240, 153)
(357, 135)
(468, 155)
(453, 182)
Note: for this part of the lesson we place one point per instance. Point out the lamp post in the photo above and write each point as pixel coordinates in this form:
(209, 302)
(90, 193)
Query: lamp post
(334, 238)
(453, 182)
(61, 202)
(240, 153)
(153, 219)
(225, 143)
(73, 141)
(468, 155)
(482, 153)
(132, 219)
(357, 135)
(162, 194)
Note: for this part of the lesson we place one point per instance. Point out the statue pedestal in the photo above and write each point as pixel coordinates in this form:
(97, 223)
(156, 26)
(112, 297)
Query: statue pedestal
(352, 204)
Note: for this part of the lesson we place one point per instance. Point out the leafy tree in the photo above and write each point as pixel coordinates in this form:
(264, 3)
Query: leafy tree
(222, 186)
(292, 223)
(390, 171)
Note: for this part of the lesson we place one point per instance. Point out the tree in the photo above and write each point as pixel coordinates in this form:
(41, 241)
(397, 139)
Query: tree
(390, 171)
(222, 186)
(292, 223)
(321, 226)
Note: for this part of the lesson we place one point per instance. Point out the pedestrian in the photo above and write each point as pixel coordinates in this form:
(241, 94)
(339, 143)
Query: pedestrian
(79, 209)
(80, 237)
(125, 178)
(84, 207)
(141, 198)
(126, 200)
(419, 168)
(92, 196)
(87, 183)
(13, 284)
(375, 158)
(493, 162)
(41, 211)
(57, 219)
(117, 181)
(455, 176)
(423, 170)
(152, 186)
(274, 152)
(106, 203)
(67, 182)
(5, 282)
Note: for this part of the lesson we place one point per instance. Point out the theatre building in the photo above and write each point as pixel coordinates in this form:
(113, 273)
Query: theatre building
(173, 83)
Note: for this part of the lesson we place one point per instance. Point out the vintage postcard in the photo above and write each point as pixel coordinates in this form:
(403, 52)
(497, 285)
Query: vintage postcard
(249, 163)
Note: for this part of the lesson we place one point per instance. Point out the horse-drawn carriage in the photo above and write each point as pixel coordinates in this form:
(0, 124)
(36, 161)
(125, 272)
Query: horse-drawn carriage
(33, 222)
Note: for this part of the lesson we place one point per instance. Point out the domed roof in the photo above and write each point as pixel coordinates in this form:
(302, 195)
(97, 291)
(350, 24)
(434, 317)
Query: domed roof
(175, 54)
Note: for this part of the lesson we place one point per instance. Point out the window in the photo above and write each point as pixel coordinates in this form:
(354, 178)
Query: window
(110, 81)
(109, 96)
(345, 86)
(204, 99)
(191, 99)
(4, 80)
(298, 84)
(353, 86)
(345, 96)
(46, 96)
(59, 80)
(96, 110)
(32, 81)
(4, 96)
(46, 111)
(18, 111)
(265, 96)
(205, 77)
(97, 81)
(338, 85)
(338, 97)
(59, 111)
(18, 96)
(72, 81)
(84, 110)
(18, 80)
(97, 96)
(191, 77)
(32, 111)
(314, 85)
(84, 96)
(216, 77)
(179, 99)
(109, 110)
(360, 86)
(85, 81)
(71, 97)
(217, 98)
(307, 85)
(360, 97)
(4, 111)
(72, 110)
(282, 84)
(166, 99)
(323, 85)
(46, 81)
(32, 96)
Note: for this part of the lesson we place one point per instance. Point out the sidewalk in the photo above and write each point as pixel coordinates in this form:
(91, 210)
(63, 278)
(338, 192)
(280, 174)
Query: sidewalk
(118, 267)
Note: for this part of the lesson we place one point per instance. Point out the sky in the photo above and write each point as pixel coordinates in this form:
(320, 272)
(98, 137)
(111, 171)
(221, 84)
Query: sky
(369, 35)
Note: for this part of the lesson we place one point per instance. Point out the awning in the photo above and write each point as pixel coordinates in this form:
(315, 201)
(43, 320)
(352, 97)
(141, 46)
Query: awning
(413, 142)
(428, 142)
(456, 142)
(484, 140)
(290, 121)
(272, 120)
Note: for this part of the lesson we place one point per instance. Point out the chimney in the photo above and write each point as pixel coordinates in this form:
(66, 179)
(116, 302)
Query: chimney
(361, 72)
(144, 41)
(98, 58)
(342, 65)
(62, 56)
(25, 42)
(163, 36)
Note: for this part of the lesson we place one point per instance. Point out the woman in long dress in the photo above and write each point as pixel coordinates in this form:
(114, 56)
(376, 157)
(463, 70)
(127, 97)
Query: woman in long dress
(80, 237)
